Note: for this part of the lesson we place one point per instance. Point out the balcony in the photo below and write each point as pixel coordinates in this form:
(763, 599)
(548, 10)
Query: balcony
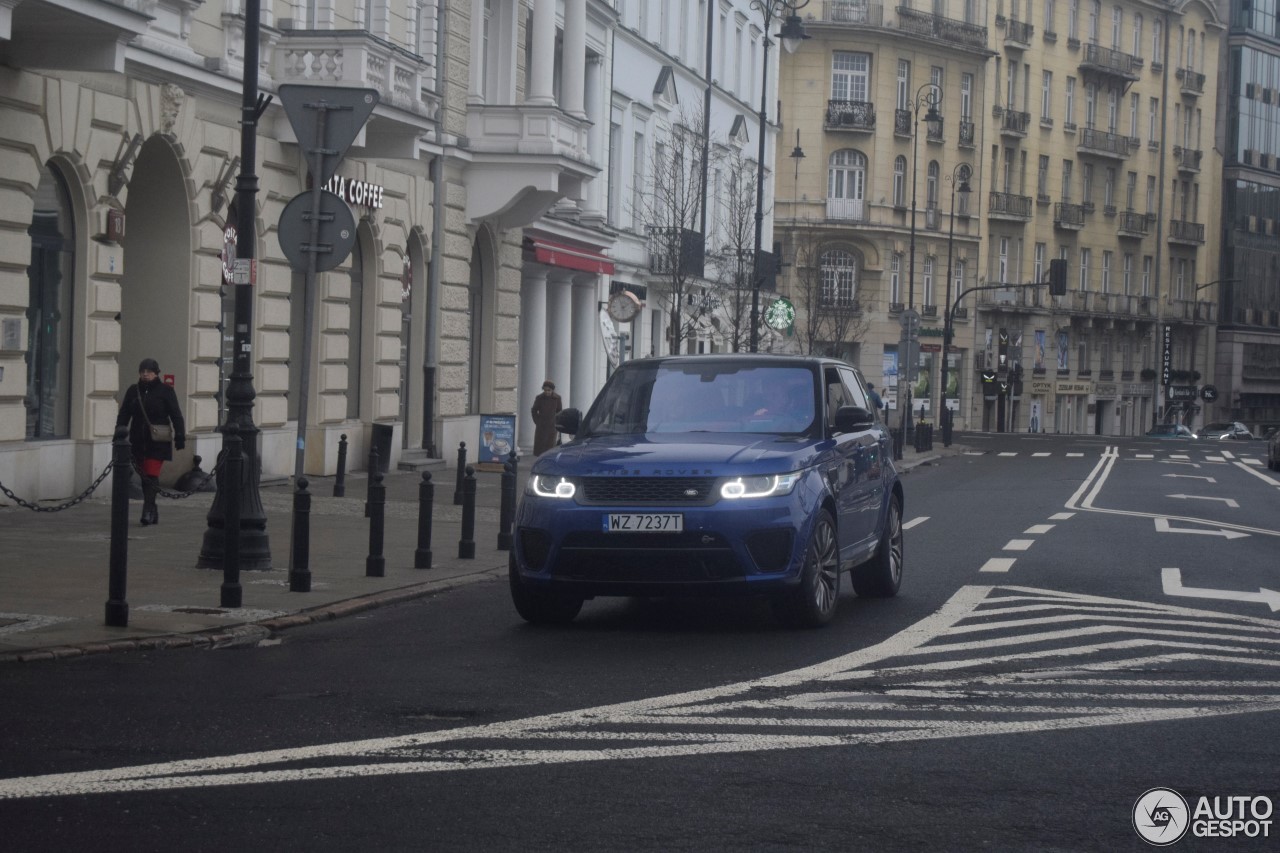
(407, 106)
(676, 251)
(1186, 233)
(902, 123)
(1191, 82)
(1103, 144)
(1193, 311)
(1014, 123)
(1018, 35)
(1110, 63)
(937, 27)
(1188, 159)
(1132, 224)
(858, 116)
(932, 217)
(966, 134)
(1009, 207)
(82, 35)
(853, 12)
(525, 158)
(1068, 216)
(846, 209)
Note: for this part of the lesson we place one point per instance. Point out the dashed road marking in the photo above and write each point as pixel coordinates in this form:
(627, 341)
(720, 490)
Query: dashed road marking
(920, 519)
(997, 564)
(1038, 455)
(1039, 528)
(1007, 453)
(1061, 516)
(1019, 544)
(1075, 455)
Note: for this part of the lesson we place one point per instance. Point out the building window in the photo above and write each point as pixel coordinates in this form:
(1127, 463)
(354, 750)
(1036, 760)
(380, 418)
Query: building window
(1109, 188)
(1070, 99)
(1117, 22)
(1073, 19)
(1106, 272)
(1127, 274)
(900, 181)
(1002, 262)
(51, 285)
(1146, 275)
(847, 180)
(1095, 12)
(1085, 255)
(904, 84)
(1153, 120)
(966, 97)
(1037, 269)
(928, 280)
(849, 73)
(1066, 180)
(1137, 36)
(1134, 100)
(1042, 177)
(957, 281)
(895, 279)
(637, 181)
(1156, 47)
(1046, 95)
(839, 278)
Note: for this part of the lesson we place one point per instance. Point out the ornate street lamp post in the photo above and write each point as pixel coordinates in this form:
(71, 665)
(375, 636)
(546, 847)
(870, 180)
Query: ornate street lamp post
(791, 34)
(959, 175)
(927, 98)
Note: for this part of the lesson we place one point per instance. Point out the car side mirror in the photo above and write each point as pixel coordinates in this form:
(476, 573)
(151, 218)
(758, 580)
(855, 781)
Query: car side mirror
(568, 421)
(853, 419)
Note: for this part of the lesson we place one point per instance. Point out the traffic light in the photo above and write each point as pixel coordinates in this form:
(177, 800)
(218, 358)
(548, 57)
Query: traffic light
(1058, 277)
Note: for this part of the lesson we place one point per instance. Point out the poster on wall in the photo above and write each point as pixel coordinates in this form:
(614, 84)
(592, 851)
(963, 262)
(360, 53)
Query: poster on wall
(497, 439)
(889, 369)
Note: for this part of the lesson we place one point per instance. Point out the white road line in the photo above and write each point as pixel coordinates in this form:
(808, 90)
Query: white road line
(1019, 544)
(1162, 526)
(920, 519)
(1037, 455)
(1039, 528)
(1007, 453)
(1251, 461)
(1075, 455)
(1182, 456)
(1061, 516)
(1192, 477)
(1215, 459)
(975, 453)
(1171, 581)
(1227, 454)
(1261, 476)
(1144, 456)
(997, 564)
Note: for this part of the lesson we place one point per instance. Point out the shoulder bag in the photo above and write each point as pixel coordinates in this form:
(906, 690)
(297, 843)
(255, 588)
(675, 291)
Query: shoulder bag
(160, 433)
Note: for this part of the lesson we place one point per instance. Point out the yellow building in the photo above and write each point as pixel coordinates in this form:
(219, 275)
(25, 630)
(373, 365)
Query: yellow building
(1086, 132)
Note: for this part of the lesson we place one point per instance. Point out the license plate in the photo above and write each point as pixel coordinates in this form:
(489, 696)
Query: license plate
(643, 522)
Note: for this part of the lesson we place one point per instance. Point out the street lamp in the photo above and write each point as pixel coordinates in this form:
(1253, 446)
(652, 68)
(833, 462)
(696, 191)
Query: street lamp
(1195, 323)
(927, 98)
(791, 34)
(960, 174)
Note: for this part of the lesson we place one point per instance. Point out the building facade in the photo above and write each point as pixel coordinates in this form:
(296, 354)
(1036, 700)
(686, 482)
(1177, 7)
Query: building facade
(1086, 132)
(1247, 370)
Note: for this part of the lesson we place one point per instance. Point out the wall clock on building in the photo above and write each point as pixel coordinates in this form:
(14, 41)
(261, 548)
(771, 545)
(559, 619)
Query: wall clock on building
(623, 306)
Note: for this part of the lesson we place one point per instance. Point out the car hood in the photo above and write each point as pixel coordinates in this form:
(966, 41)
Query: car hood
(686, 454)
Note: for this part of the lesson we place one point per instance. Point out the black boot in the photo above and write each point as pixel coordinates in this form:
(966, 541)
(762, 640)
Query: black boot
(150, 487)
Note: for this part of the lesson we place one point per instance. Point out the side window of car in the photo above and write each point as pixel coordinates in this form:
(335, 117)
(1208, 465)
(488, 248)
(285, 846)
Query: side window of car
(837, 394)
(857, 394)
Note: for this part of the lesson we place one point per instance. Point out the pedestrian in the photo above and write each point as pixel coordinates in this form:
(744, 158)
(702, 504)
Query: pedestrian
(545, 407)
(876, 403)
(150, 411)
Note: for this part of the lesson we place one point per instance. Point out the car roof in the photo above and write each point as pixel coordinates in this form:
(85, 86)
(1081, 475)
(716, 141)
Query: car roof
(749, 358)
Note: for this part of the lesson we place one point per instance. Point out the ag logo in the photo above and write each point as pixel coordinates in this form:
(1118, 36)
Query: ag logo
(1161, 816)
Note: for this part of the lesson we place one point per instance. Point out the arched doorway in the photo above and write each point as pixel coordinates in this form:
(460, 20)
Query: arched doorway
(155, 311)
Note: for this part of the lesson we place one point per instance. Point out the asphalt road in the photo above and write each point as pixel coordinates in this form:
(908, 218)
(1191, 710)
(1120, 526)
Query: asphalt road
(1039, 672)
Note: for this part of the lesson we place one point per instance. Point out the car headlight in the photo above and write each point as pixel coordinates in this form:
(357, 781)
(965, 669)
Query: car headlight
(551, 487)
(767, 486)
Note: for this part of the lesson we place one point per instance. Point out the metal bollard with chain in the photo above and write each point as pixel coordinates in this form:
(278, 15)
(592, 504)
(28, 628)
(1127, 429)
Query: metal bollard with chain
(426, 498)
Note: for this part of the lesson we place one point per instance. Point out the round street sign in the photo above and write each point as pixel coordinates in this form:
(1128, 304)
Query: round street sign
(1209, 393)
(334, 238)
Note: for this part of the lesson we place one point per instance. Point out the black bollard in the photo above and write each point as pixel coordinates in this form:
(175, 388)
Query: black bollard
(233, 465)
(508, 511)
(300, 554)
(462, 465)
(121, 471)
(467, 544)
(426, 498)
(376, 564)
(373, 466)
(340, 482)
(514, 462)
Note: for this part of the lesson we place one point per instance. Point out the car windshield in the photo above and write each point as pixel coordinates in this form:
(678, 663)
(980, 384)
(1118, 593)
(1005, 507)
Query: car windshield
(707, 396)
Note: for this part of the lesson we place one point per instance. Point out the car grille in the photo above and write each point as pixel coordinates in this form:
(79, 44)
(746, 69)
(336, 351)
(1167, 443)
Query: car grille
(687, 557)
(648, 491)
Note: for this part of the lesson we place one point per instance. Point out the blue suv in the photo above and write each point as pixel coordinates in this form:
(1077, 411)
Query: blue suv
(716, 475)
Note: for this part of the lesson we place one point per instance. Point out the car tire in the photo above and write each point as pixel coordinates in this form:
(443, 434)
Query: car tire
(540, 608)
(881, 576)
(813, 603)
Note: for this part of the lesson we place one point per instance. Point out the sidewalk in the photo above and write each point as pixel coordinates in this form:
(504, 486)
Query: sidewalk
(54, 574)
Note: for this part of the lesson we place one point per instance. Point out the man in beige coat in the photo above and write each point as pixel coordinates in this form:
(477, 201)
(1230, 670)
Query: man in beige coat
(545, 407)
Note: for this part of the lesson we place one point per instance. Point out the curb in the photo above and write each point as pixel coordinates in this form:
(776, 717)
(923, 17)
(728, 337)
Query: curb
(252, 633)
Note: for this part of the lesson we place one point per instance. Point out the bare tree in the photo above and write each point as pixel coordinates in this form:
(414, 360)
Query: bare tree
(670, 208)
(735, 250)
(828, 310)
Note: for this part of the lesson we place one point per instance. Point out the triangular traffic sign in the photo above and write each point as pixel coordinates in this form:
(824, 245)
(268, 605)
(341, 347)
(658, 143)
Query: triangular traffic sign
(345, 111)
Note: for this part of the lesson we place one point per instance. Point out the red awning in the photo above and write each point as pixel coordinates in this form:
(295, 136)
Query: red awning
(571, 257)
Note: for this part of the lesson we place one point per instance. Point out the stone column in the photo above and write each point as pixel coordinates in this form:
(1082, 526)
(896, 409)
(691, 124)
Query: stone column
(475, 83)
(575, 57)
(533, 352)
(586, 341)
(542, 73)
(559, 344)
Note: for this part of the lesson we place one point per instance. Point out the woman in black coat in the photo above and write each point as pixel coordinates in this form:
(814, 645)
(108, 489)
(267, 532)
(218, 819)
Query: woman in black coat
(151, 403)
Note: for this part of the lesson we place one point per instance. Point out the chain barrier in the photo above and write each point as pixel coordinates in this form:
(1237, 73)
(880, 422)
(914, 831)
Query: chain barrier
(68, 505)
(177, 496)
